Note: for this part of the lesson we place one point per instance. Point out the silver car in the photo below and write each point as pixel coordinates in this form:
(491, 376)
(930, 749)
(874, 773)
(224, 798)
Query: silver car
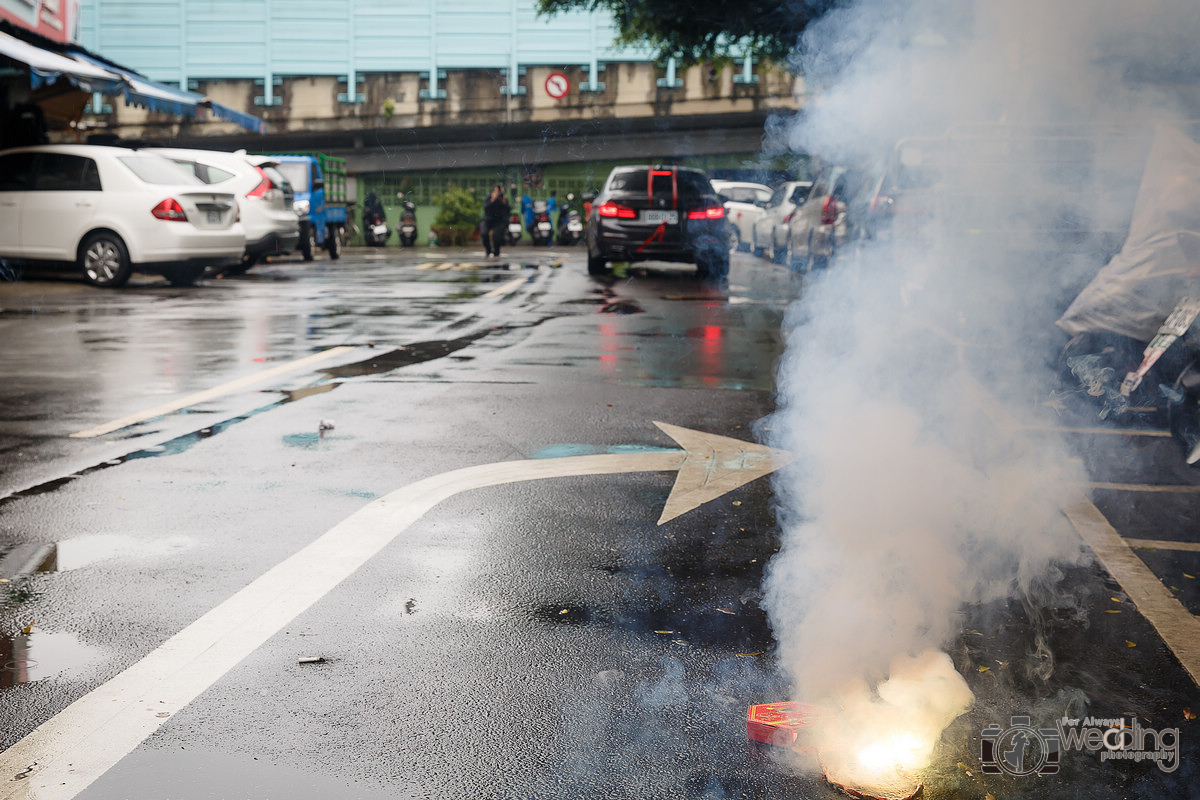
(744, 202)
(770, 230)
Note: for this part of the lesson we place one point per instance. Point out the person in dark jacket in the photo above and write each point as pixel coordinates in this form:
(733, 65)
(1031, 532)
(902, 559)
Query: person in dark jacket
(496, 212)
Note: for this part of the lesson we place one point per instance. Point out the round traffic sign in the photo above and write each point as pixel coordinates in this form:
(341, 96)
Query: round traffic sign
(557, 85)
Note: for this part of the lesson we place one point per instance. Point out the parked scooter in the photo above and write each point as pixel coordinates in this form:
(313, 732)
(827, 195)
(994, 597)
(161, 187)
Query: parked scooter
(542, 230)
(570, 223)
(1133, 350)
(514, 229)
(375, 229)
(408, 221)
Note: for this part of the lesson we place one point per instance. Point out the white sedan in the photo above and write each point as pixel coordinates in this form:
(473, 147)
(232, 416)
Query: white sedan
(743, 205)
(113, 211)
(265, 198)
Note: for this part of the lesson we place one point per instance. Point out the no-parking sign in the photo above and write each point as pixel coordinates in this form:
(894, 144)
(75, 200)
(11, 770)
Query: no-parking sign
(557, 85)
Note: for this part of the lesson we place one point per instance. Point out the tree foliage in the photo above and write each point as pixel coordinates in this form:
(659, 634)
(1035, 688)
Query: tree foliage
(702, 30)
(459, 208)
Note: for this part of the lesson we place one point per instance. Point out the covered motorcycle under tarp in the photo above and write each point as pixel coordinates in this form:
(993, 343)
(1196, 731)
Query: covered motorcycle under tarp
(1132, 342)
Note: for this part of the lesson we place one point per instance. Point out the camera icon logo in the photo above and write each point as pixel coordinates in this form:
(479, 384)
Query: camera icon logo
(1020, 749)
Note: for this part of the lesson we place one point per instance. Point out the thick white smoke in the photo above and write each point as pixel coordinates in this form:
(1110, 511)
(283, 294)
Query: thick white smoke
(915, 494)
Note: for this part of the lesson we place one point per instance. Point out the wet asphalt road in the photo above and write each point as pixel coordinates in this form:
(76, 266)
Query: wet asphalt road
(533, 639)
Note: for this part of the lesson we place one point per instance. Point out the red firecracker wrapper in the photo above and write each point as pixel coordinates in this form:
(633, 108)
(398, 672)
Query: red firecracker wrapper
(780, 724)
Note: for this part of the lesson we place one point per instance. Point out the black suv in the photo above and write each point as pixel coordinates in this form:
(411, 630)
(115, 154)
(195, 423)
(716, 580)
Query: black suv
(661, 214)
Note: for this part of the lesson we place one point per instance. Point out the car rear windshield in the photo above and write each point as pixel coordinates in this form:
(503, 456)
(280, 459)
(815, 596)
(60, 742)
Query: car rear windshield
(205, 172)
(157, 170)
(639, 180)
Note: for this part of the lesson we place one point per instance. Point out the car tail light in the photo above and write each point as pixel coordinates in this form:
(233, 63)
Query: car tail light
(169, 209)
(611, 209)
(712, 212)
(829, 211)
(263, 187)
(788, 218)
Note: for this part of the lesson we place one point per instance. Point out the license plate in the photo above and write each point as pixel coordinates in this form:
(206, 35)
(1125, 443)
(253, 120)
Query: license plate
(544, 226)
(214, 217)
(659, 217)
(379, 230)
(574, 226)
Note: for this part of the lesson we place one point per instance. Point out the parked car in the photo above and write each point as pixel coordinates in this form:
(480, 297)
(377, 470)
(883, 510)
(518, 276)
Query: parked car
(744, 203)
(268, 218)
(769, 231)
(658, 213)
(823, 224)
(112, 211)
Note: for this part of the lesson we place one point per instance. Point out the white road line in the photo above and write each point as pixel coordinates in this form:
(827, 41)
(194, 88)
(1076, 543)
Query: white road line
(1177, 626)
(209, 394)
(1164, 488)
(1164, 544)
(1102, 431)
(505, 288)
(87, 738)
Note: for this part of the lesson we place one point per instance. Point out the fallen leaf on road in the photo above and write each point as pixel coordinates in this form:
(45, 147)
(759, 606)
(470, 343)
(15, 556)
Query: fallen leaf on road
(750, 655)
(726, 610)
(1189, 577)
(1130, 644)
(664, 633)
(1113, 611)
(737, 502)
(1188, 713)
(972, 632)
(984, 669)
(28, 629)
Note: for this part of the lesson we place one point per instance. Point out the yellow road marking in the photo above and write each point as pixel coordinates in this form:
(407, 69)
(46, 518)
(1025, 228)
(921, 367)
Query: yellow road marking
(1163, 544)
(505, 288)
(444, 265)
(209, 394)
(427, 265)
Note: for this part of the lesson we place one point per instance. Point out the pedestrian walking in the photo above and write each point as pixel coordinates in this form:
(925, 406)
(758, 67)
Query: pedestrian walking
(495, 219)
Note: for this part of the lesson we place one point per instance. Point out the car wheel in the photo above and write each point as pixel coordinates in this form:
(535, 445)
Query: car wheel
(334, 243)
(777, 255)
(104, 261)
(242, 267)
(714, 268)
(596, 265)
(182, 276)
(308, 242)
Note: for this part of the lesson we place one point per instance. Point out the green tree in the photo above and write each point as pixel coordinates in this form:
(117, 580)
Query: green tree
(459, 208)
(701, 30)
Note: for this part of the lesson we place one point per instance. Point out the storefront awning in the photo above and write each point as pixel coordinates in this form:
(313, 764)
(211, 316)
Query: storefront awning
(142, 92)
(89, 73)
(46, 67)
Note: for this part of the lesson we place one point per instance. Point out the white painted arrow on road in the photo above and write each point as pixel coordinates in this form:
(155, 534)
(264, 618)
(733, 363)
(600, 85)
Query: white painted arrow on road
(68, 752)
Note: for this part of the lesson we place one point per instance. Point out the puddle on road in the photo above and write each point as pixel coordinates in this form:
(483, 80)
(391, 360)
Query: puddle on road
(402, 357)
(42, 654)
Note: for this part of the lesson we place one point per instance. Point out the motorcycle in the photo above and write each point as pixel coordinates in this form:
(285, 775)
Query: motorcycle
(542, 230)
(408, 221)
(570, 223)
(514, 229)
(1133, 349)
(375, 229)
